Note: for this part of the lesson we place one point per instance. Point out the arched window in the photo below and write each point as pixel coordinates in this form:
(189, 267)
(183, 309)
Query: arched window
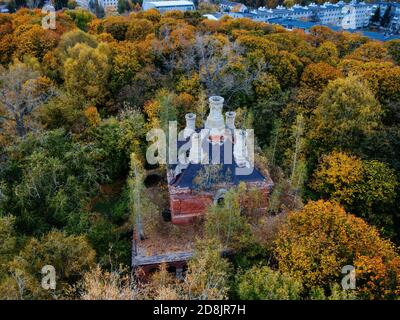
(219, 196)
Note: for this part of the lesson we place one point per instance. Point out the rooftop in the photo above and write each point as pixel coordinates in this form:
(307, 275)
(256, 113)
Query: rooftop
(173, 3)
(218, 143)
(230, 3)
(229, 171)
(305, 25)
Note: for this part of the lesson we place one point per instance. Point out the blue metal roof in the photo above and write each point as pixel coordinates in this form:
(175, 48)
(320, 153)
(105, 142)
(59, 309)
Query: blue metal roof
(378, 36)
(228, 170)
(290, 23)
(306, 25)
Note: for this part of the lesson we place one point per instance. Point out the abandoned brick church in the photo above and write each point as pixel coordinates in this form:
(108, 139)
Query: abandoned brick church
(212, 160)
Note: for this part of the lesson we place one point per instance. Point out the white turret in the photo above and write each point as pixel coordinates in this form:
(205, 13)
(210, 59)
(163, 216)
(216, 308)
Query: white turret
(240, 149)
(195, 149)
(215, 120)
(190, 125)
(230, 120)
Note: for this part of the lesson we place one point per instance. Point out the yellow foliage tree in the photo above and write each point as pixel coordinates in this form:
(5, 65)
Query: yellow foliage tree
(34, 41)
(337, 175)
(92, 116)
(363, 187)
(90, 85)
(347, 113)
(139, 28)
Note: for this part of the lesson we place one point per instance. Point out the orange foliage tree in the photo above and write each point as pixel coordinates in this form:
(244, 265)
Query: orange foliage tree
(318, 241)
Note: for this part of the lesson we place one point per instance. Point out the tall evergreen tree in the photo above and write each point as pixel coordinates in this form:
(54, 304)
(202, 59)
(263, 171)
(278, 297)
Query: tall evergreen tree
(386, 17)
(376, 17)
(122, 6)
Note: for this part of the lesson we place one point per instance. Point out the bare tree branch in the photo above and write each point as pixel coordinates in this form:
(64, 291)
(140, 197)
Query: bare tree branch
(21, 92)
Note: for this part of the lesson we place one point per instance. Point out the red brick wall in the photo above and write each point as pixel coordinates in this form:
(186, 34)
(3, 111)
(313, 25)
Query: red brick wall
(186, 206)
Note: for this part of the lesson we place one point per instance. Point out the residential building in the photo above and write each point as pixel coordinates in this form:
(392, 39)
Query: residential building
(301, 13)
(108, 3)
(3, 8)
(230, 6)
(329, 13)
(163, 6)
(352, 15)
(290, 24)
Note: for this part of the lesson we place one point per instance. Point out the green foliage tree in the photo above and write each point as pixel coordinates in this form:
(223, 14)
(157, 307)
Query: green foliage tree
(335, 293)
(8, 243)
(363, 187)
(347, 113)
(139, 204)
(63, 111)
(393, 47)
(386, 17)
(121, 6)
(226, 223)
(377, 191)
(70, 256)
(208, 273)
(327, 52)
(376, 17)
(81, 17)
(117, 26)
(116, 138)
(47, 180)
(263, 283)
(138, 29)
(70, 39)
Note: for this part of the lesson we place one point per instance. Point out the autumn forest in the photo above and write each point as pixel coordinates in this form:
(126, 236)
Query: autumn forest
(77, 101)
